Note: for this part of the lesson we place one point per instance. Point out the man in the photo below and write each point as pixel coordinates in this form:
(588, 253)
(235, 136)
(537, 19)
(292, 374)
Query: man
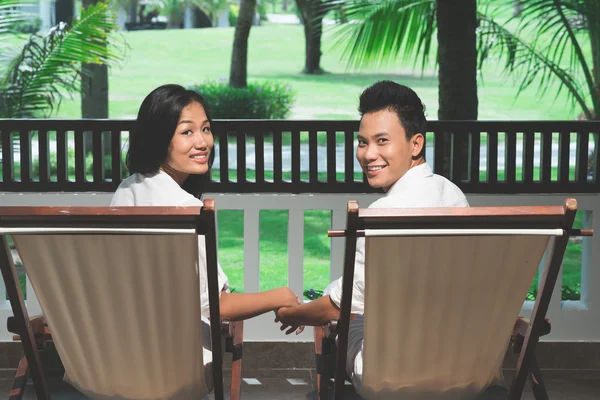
(391, 152)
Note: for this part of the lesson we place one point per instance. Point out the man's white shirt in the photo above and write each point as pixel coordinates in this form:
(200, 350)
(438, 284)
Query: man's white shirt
(418, 188)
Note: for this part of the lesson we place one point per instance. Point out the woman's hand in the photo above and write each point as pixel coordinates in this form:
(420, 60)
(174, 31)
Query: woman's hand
(289, 301)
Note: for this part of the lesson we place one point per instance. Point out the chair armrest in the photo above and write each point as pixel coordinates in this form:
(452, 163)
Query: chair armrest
(520, 331)
(227, 328)
(38, 325)
(330, 330)
(522, 324)
(233, 333)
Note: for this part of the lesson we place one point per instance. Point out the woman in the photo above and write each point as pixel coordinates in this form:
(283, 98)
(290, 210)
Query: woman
(170, 154)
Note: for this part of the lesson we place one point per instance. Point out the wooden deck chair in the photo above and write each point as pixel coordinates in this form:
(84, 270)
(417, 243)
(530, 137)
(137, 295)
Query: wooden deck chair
(443, 289)
(120, 293)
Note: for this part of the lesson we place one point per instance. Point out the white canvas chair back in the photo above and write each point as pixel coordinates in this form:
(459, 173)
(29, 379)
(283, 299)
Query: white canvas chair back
(124, 311)
(439, 311)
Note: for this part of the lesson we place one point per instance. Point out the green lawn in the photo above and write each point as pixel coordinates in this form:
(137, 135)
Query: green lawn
(276, 53)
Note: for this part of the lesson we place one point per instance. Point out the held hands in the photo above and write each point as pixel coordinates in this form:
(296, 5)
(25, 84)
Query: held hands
(283, 314)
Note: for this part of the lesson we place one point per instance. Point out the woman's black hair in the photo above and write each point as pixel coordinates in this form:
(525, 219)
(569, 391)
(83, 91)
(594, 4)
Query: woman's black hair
(154, 128)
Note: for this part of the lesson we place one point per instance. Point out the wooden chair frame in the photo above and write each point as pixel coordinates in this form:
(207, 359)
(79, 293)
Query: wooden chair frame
(332, 357)
(33, 333)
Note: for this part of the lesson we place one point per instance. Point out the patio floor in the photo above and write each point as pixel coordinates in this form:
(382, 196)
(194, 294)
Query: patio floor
(300, 384)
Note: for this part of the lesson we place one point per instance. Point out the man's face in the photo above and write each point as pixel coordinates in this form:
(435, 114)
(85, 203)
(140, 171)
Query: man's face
(383, 151)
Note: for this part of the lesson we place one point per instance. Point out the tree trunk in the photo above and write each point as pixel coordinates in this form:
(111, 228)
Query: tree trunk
(238, 75)
(457, 58)
(63, 11)
(133, 11)
(312, 38)
(311, 12)
(284, 5)
(94, 94)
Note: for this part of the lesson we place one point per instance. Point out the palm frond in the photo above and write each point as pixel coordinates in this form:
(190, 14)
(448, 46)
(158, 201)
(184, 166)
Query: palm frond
(529, 63)
(50, 65)
(380, 31)
(11, 11)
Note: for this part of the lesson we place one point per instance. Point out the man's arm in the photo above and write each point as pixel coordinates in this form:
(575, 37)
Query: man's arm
(315, 313)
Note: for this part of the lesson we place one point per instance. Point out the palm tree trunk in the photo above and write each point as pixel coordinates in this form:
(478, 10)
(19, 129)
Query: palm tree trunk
(133, 11)
(94, 94)
(238, 75)
(457, 57)
(312, 17)
(64, 11)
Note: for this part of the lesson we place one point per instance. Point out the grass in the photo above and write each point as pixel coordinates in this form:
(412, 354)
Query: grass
(276, 52)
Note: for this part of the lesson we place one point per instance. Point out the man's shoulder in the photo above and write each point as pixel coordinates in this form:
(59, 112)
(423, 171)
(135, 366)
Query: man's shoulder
(451, 194)
(433, 191)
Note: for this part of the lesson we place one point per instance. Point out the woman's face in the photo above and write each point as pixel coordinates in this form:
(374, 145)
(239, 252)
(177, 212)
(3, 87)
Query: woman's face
(191, 144)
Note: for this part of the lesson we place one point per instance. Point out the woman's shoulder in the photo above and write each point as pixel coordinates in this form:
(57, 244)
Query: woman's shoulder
(157, 189)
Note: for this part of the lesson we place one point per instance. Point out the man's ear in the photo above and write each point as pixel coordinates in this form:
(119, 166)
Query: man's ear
(418, 143)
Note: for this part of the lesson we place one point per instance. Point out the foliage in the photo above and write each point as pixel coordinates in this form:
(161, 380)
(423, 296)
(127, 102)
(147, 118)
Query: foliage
(312, 294)
(261, 8)
(543, 45)
(174, 11)
(567, 293)
(30, 25)
(11, 14)
(234, 11)
(268, 100)
(49, 65)
(212, 8)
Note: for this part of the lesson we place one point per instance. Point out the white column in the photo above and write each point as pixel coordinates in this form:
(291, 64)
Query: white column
(45, 14)
(251, 251)
(338, 221)
(296, 251)
(188, 18)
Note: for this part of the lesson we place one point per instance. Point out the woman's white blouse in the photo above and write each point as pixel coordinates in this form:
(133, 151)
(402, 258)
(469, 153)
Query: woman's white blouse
(161, 190)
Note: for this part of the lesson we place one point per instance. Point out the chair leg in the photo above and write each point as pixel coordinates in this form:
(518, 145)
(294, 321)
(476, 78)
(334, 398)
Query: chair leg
(537, 383)
(236, 360)
(322, 352)
(18, 387)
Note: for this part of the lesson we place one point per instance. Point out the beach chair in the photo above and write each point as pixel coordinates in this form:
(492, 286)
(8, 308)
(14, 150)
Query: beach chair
(120, 292)
(443, 291)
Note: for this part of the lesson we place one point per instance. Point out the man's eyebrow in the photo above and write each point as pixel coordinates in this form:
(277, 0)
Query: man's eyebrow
(377, 135)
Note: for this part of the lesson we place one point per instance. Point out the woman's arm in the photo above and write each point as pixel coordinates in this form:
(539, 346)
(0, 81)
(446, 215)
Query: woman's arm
(241, 306)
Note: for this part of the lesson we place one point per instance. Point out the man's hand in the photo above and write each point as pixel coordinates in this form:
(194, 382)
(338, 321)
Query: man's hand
(285, 316)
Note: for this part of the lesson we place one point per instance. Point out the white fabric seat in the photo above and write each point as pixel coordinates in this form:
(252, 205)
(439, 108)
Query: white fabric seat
(124, 312)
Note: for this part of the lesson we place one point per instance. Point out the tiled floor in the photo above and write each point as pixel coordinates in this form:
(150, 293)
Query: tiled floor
(300, 384)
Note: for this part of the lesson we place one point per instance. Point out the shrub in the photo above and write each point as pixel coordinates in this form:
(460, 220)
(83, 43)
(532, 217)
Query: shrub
(261, 8)
(32, 25)
(234, 11)
(268, 100)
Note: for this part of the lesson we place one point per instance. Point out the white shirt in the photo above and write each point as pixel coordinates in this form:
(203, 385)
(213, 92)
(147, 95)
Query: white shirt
(161, 190)
(419, 187)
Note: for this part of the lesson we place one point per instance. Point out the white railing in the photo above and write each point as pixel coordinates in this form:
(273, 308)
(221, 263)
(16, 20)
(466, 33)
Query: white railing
(571, 320)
